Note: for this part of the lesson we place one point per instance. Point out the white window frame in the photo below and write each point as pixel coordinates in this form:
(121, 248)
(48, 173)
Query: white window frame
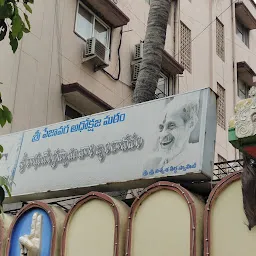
(71, 106)
(240, 28)
(95, 17)
(166, 85)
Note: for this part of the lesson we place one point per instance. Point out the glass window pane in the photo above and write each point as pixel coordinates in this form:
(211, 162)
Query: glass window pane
(247, 89)
(161, 90)
(242, 32)
(241, 95)
(161, 84)
(239, 30)
(243, 89)
(239, 34)
(71, 113)
(84, 23)
(159, 94)
(101, 33)
(246, 37)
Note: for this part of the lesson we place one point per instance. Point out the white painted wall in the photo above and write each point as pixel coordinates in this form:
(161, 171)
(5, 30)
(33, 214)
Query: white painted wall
(51, 55)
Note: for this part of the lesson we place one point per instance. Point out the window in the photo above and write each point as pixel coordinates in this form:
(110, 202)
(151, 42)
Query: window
(89, 25)
(71, 113)
(220, 42)
(221, 107)
(185, 45)
(242, 32)
(243, 89)
(162, 89)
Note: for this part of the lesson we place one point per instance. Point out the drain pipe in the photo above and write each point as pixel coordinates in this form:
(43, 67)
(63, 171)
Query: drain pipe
(211, 43)
(234, 58)
(176, 40)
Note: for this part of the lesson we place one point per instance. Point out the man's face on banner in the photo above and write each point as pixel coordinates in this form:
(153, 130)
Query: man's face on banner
(174, 133)
(171, 132)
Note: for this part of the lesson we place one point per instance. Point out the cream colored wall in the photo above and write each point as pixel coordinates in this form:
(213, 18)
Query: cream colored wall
(224, 74)
(229, 233)
(207, 68)
(91, 228)
(32, 77)
(195, 15)
(161, 226)
(243, 53)
(5, 223)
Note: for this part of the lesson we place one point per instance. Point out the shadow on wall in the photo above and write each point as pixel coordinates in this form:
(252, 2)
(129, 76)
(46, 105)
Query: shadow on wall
(165, 220)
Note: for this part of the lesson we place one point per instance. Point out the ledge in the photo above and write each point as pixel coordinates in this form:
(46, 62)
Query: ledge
(245, 16)
(170, 65)
(245, 73)
(83, 99)
(108, 11)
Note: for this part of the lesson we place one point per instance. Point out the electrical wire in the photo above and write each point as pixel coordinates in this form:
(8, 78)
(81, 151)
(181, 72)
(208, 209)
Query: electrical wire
(119, 59)
(120, 43)
(204, 29)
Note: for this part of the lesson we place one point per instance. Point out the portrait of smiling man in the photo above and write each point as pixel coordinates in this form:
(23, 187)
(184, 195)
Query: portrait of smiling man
(177, 133)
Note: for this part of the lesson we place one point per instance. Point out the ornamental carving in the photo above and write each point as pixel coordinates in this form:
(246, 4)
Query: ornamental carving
(244, 121)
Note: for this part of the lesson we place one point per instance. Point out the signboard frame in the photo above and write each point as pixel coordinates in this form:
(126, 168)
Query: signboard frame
(193, 113)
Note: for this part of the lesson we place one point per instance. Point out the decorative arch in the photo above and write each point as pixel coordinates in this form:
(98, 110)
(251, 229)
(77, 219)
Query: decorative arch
(157, 187)
(30, 206)
(4, 228)
(222, 185)
(88, 197)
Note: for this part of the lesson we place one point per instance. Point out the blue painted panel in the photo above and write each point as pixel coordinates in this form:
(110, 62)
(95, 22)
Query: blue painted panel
(23, 227)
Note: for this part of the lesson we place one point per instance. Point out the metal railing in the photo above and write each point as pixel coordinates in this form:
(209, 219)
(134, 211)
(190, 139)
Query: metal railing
(221, 170)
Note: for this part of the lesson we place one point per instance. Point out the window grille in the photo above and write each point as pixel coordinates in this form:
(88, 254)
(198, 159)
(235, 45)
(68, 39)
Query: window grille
(220, 41)
(221, 107)
(186, 47)
(222, 168)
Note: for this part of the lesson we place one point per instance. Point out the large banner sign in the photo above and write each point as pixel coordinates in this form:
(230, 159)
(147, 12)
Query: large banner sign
(173, 136)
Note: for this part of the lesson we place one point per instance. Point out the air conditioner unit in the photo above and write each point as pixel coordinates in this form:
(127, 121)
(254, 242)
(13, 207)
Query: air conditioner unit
(138, 54)
(135, 72)
(97, 53)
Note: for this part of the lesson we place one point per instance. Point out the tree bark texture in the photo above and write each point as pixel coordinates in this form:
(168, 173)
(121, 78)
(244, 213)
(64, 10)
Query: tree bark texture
(152, 51)
(249, 190)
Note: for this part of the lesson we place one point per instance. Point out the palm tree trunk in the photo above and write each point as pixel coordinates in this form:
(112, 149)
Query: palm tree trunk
(152, 51)
(152, 55)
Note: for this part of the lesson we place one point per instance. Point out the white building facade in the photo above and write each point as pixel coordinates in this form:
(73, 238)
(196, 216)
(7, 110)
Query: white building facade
(82, 57)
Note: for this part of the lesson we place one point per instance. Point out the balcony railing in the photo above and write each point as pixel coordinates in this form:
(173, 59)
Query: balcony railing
(221, 170)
